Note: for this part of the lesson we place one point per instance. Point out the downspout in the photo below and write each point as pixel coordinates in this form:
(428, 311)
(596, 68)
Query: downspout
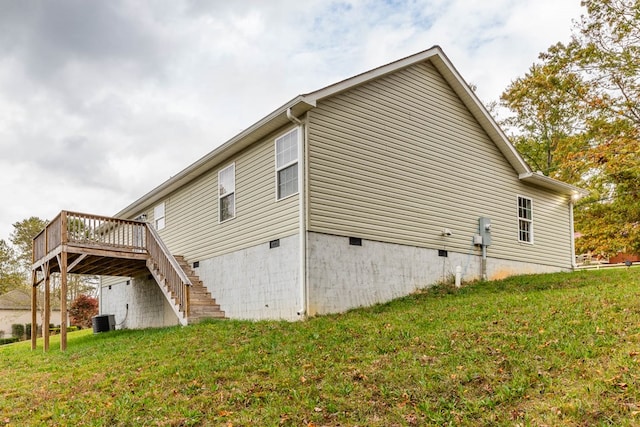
(302, 231)
(572, 239)
(100, 295)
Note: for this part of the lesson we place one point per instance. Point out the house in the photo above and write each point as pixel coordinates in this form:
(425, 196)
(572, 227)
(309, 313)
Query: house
(355, 194)
(15, 308)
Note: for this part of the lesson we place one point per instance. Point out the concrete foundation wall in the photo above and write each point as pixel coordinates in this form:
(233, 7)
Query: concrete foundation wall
(342, 276)
(256, 283)
(147, 306)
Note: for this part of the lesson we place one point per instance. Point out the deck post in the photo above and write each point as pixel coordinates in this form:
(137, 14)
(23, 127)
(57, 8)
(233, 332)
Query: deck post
(63, 300)
(47, 307)
(34, 310)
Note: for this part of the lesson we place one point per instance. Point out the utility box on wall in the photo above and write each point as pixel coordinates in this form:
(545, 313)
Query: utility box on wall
(484, 228)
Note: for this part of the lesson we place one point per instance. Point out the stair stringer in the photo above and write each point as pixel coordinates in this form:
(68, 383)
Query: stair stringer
(181, 315)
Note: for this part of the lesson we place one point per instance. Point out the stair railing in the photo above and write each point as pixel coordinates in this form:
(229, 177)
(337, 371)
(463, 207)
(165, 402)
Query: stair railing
(175, 278)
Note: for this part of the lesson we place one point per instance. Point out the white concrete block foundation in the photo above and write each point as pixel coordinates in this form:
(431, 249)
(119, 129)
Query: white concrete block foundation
(342, 276)
(138, 303)
(259, 282)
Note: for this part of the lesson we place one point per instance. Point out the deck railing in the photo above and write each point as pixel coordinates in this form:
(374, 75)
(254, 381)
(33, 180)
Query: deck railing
(48, 239)
(175, 279)
(105, 231)
(92, 230)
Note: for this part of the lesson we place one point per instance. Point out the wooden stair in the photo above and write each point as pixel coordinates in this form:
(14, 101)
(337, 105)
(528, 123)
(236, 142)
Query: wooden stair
(201, 304)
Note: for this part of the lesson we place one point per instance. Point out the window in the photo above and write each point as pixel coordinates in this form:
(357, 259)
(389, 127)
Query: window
(227, 193)
(158, 216)
(287, 165)
(355, 241)
(525, 220)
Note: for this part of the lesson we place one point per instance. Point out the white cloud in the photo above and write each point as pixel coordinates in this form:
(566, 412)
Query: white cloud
(100, 102)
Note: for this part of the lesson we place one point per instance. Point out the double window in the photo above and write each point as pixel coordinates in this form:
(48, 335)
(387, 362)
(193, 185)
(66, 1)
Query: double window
(287, 165)
(227, 193)
(525, 219)
(158, 216)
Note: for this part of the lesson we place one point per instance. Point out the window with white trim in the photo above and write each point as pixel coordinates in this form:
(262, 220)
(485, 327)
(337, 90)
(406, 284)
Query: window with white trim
(525, 219)
(287, 165)
(227, 193)
(158, 216)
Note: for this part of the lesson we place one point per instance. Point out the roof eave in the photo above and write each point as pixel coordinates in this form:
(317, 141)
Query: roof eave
(553, 184)
(375, 73)
(478, 110)
(303, 103)
(270, 123)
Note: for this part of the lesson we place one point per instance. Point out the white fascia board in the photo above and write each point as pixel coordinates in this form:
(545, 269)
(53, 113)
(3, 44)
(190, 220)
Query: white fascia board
(473, 103)
(278, 118)
(376, 73)
(553, 184)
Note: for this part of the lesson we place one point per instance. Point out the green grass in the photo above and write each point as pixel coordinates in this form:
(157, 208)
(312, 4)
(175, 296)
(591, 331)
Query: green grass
(556, 350)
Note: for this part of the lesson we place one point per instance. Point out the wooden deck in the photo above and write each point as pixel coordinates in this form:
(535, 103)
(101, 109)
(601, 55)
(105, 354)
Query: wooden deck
(76, 243)
(94, 245)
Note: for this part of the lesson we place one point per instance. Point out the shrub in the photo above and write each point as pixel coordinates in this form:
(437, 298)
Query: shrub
(56, 330)
(82, 309)
(4, 341)
(17, 330)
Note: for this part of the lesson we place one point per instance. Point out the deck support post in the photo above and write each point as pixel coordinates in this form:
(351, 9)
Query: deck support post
(63, 300)
(47, 307)
(34, 308)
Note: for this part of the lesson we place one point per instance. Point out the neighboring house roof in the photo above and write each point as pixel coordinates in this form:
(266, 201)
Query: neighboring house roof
(18, 299)
(15, 300)
(303, 103)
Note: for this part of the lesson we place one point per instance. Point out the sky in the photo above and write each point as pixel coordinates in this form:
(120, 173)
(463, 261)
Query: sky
(102, 101)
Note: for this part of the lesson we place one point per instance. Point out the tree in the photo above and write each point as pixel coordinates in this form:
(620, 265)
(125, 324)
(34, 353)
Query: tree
(82, 309)
(10, 275)
(577, 118)
(22, 239)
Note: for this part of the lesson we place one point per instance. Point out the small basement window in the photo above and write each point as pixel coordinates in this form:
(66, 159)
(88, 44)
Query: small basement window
(525, 219)
(355, 241)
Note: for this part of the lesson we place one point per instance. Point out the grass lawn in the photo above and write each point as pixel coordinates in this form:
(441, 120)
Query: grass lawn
(555, 350)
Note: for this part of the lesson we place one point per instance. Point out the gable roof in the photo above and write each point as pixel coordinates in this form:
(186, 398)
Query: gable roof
(19, 299)
(303, 103)
(16, 299)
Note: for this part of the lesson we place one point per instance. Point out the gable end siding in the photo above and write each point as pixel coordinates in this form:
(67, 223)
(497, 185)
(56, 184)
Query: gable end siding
(401, 158)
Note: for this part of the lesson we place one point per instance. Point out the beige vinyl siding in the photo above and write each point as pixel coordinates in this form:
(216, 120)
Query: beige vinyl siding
(401, 158)
(111, 280)
(191, 212)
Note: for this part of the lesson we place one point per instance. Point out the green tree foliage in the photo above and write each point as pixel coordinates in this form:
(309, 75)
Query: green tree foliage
(22, 239)
(10, 275)
(576, 117)
(82, 309)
